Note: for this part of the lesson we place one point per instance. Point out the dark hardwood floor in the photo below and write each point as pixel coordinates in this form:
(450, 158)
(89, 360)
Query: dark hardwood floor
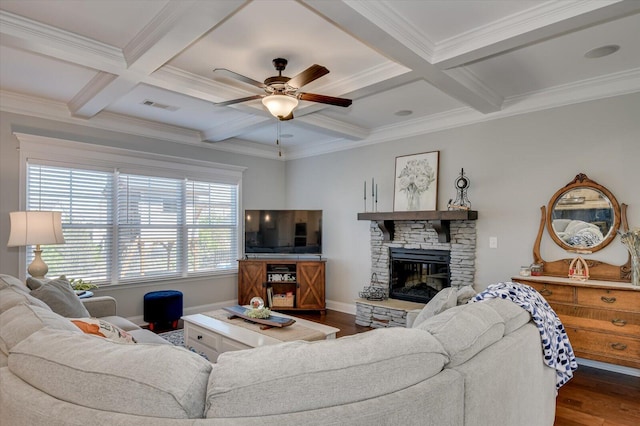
(593, 397)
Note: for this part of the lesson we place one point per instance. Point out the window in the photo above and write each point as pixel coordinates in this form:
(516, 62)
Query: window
(121, 226)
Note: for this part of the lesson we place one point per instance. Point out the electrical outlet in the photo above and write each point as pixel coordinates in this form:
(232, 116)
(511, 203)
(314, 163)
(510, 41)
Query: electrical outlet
(493, 242)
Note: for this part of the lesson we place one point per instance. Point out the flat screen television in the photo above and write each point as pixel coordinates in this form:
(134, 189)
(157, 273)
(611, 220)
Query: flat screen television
(283, 232)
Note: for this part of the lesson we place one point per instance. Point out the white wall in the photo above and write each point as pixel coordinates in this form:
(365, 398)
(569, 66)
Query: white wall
(515, 165)
(197, 292)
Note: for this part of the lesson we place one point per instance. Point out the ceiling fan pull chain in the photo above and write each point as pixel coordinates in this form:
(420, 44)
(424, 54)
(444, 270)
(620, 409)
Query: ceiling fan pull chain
(278, 138)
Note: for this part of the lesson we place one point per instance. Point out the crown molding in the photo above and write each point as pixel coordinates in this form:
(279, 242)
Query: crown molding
(388, 19)
(231, 128)
(89, 92)
(534, 24)
(36, 37)
(469, 79)
(152, 33)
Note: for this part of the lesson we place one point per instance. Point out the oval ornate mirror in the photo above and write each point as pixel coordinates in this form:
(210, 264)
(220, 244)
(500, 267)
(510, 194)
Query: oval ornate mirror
(583, 216)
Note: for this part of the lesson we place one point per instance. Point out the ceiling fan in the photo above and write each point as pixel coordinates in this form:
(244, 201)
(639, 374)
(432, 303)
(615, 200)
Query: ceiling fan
(282, 93)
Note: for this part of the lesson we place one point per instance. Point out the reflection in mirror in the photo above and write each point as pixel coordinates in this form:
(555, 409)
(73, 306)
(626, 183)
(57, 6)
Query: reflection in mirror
(583, 216)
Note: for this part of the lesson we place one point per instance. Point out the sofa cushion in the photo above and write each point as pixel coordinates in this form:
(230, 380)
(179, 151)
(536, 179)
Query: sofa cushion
(265, 381)
(9, 297)
(465, 330)
(513, 315)
(443, 300)
(61, 298)
(101, 328)
(121, 322)
(19, 322)
(146, 380)
(8, 281)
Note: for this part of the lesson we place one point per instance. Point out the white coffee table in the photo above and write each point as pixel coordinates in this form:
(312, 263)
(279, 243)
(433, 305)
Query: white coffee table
(213, 337)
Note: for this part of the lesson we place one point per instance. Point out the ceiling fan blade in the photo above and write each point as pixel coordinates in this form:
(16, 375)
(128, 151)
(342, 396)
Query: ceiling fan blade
(307, 76)
(237, 101)
(230, 74)
(323, 99)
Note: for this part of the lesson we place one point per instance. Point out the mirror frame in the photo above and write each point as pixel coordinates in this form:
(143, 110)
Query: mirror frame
(581, 181)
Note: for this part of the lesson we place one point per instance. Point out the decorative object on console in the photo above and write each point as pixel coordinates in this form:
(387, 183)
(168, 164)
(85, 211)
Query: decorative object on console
(416, 182)
(36, 228)
(461, 202)
(631, 241)
(578, 269)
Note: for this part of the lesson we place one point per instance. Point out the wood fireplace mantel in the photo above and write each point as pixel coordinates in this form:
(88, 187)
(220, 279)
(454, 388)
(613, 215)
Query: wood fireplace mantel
(438, 219)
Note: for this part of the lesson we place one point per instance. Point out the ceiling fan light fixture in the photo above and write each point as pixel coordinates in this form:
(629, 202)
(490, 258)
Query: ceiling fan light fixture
(280, 106)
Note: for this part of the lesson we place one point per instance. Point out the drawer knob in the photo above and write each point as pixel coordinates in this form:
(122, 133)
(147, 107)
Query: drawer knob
(546, 292)
(199, 337)
(618, 322)
(619, 346)
(608, 299)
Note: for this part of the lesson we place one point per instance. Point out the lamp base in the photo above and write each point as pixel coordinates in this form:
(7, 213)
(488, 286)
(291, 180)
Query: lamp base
(37, 268)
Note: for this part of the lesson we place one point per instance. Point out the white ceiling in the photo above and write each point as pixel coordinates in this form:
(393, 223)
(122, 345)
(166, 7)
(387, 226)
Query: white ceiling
(449, 63)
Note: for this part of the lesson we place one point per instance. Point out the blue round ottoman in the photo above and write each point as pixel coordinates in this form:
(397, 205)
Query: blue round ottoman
(163, 307)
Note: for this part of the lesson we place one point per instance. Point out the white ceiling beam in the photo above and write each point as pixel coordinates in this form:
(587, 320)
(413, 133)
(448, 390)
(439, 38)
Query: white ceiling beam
(25, 34)
(373, 23)
(548, 20)
(178, 25)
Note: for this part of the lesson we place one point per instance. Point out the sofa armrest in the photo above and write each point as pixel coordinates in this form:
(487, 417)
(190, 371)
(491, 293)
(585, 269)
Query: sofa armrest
(101, 306)
(411, 317)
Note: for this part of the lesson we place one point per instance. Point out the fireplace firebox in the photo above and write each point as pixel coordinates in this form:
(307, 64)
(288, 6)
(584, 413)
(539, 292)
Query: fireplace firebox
(416, 275)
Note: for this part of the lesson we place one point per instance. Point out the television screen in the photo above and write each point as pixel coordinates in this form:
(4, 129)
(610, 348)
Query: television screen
(283, 232)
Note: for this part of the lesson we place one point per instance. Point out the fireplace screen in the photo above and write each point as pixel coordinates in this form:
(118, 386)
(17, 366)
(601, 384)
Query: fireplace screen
(417, 275)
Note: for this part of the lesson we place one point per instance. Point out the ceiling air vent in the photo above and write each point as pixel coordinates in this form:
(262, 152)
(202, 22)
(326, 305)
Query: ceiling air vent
(147, 102)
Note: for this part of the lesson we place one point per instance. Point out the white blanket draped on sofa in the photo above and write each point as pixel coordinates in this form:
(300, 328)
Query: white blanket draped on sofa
(556, 347)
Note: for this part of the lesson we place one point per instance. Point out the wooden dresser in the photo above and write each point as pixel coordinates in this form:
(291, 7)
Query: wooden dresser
(602, 318)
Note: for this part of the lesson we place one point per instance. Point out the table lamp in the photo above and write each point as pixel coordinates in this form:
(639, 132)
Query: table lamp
(36, 228)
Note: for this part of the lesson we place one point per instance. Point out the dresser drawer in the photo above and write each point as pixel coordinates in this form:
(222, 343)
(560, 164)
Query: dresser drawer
(610, 299)
(553, 293)
(608, 344)
(618, 322)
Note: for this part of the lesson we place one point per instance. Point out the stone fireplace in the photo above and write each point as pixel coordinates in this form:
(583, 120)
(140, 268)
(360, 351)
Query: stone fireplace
(416, 235)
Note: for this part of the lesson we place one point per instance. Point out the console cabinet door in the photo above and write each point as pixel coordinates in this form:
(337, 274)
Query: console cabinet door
(251, 276)
(311, 285)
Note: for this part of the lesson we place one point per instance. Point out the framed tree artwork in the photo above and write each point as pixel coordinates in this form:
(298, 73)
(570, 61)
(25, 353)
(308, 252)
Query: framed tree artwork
(416, 182)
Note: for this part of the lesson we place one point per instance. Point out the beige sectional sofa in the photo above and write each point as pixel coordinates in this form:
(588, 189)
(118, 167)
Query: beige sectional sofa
(476, 364)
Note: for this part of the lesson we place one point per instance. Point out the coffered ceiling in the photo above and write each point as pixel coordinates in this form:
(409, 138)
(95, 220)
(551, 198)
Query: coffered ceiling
(146, 66)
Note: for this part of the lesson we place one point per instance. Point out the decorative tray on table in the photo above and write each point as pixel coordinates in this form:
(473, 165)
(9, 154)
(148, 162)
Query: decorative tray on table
(271, 321)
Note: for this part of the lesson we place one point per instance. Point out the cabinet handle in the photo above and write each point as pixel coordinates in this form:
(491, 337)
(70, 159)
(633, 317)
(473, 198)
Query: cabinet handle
(619, 346)
(608, 299)
(619, 322)
(546, 292)
(199, 337)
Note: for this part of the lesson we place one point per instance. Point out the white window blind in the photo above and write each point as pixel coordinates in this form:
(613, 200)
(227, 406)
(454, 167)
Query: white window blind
(159, 227)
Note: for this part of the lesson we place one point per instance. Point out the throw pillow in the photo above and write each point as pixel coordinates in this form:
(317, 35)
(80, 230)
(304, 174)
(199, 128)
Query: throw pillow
(445, 299)
(36, 283)
(61, 298)
(104, 329)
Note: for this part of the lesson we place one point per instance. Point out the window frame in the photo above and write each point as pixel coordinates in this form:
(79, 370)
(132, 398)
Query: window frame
(51, 151)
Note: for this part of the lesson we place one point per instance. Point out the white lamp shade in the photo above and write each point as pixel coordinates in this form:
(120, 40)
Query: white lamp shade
(35, 228)
(280, 106)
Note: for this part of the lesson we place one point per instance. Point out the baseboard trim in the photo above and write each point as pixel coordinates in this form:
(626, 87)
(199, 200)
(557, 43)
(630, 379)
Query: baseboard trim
(346, 308)
(629, 371)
